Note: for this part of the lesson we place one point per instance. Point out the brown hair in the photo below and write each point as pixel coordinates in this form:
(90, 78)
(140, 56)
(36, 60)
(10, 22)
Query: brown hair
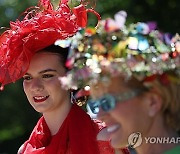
(62, 52)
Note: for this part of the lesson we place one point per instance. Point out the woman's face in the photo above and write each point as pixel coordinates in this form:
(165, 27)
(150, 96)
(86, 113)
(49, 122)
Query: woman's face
(41, 83)
(127, 117)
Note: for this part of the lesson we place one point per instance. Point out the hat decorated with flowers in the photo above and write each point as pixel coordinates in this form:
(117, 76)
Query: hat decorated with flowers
(40, 27)
(136, 50)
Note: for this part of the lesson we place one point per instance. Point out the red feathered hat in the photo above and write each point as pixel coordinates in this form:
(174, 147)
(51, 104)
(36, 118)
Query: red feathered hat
(41, 27)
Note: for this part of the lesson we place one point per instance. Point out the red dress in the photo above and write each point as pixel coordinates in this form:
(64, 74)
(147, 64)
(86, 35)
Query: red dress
(77, 135)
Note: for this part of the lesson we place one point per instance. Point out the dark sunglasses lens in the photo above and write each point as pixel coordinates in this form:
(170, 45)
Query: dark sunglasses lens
(94, 106)
(107, 102)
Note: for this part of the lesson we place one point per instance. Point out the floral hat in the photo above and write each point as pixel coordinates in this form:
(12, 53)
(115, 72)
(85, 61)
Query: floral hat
(40, 27)
(136, 50)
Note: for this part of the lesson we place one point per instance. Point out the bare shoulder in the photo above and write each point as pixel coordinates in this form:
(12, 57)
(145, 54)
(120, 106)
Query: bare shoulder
(20, 149)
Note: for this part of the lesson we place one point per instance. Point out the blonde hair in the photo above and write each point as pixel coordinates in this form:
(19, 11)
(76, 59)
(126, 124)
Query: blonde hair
(170, 95)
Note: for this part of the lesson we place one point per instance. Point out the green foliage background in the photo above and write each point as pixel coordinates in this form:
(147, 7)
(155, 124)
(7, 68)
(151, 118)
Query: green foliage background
(17, 118)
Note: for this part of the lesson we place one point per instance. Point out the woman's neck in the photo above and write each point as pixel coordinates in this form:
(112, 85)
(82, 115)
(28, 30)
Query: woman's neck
(161, 132)
(56, 118)
(155, 148)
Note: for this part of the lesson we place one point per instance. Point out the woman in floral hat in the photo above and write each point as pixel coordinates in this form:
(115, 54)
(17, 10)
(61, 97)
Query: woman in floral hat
(27, 50)
(133, 73)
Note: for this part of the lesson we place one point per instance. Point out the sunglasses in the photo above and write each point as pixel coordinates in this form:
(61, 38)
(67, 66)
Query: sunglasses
(108, 101)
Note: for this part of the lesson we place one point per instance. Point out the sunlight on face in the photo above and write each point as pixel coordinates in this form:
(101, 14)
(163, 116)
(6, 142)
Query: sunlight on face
(127, 117)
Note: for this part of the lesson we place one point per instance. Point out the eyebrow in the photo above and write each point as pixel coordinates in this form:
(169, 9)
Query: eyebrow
(44, 71)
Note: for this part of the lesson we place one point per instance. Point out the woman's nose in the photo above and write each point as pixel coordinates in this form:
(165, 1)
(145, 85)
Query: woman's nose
(36, 85)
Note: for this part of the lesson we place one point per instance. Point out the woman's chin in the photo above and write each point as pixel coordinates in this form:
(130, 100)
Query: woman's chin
(117, 143)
